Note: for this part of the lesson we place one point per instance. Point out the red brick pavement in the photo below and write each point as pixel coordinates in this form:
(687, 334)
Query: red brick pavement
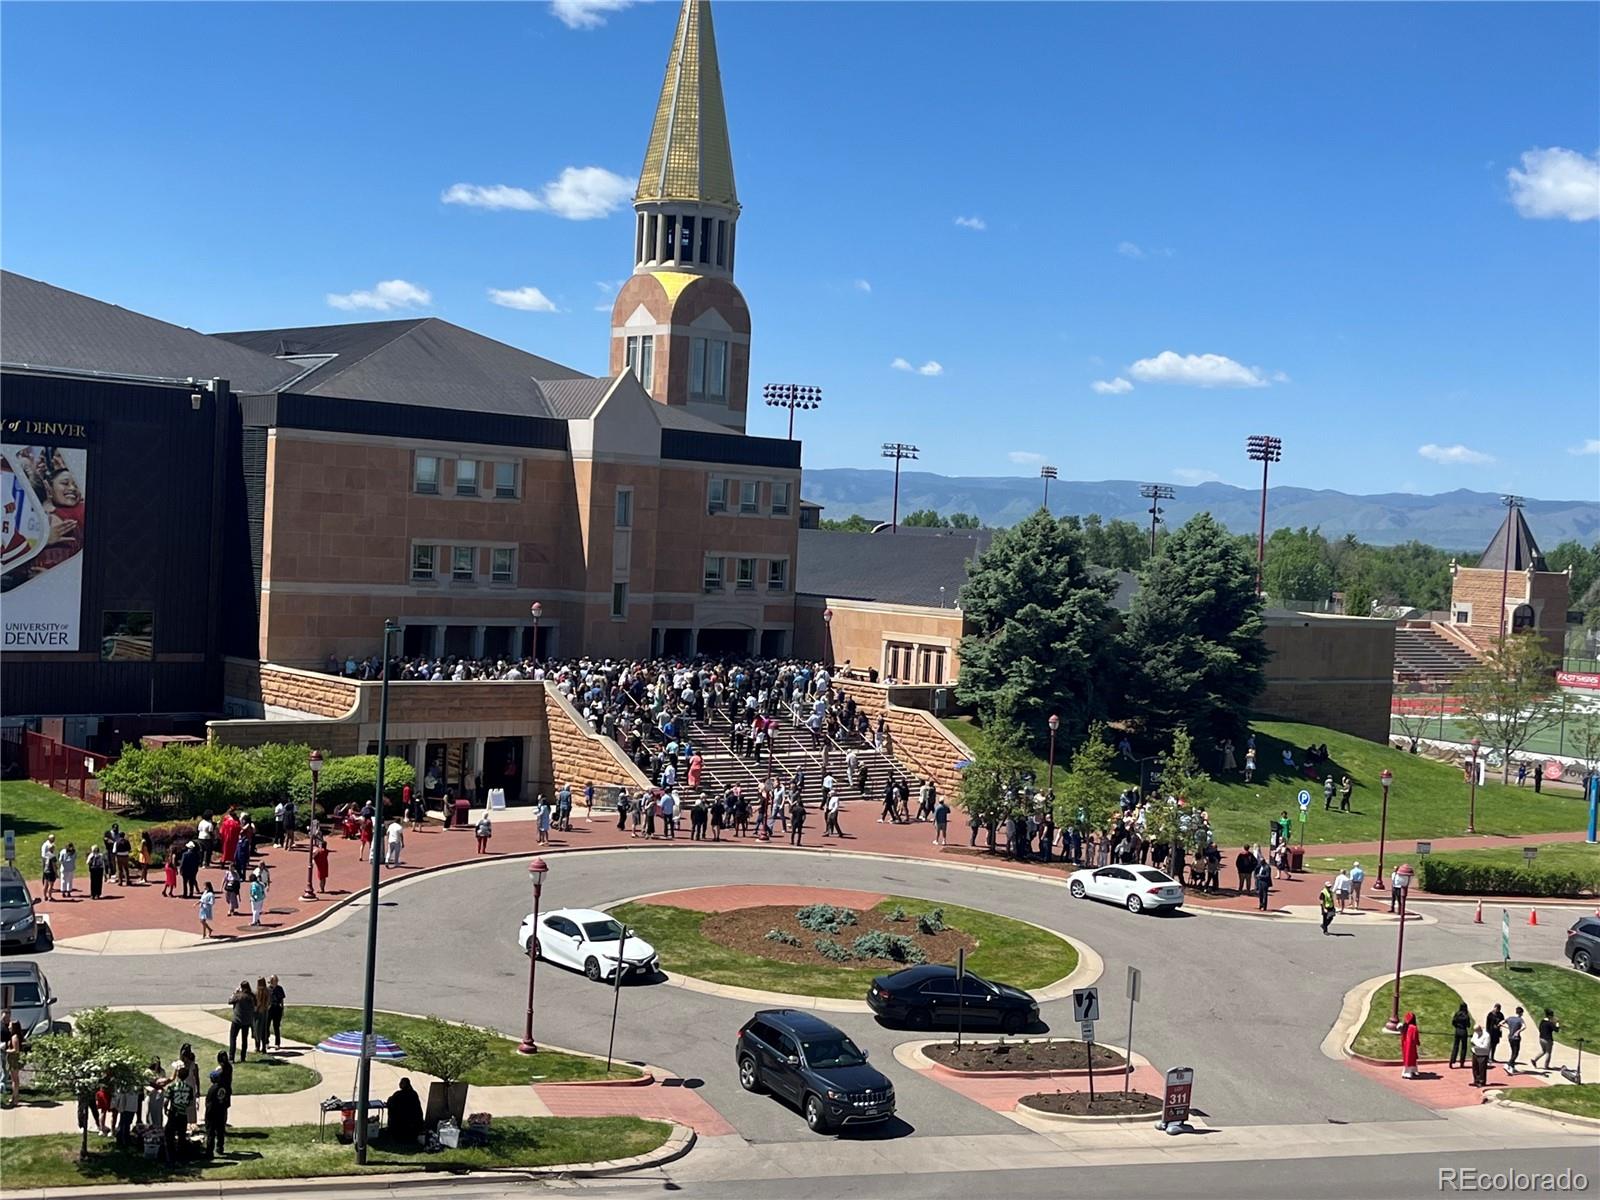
(1441, 1086)
(666, 1099)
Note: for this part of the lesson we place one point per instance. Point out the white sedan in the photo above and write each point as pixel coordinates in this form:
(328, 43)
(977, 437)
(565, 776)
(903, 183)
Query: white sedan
(1133, 886)
(588, 941)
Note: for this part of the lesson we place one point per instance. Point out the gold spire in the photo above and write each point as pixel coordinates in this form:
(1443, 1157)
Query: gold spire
(688, 157)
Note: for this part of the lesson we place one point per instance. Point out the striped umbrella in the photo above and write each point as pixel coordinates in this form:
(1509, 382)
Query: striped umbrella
(349, 1044)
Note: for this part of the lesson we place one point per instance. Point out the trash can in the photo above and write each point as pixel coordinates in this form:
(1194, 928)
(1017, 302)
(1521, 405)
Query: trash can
(1297, 858)
(463, 808)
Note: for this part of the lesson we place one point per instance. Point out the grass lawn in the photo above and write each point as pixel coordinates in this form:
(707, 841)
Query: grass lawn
(1581, 1099)
(293, 1152)
(1008, 951)
(256, 1076)
(33, 811)
(1428, 799)
(312, 1023)
(1553, 856)
(1433, 1002)
(1538, 986)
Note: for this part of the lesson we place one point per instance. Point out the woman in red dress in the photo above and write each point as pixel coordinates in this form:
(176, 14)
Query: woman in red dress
(1410, 1046)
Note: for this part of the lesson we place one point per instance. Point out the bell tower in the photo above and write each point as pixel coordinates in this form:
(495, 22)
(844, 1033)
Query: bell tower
(680, 323)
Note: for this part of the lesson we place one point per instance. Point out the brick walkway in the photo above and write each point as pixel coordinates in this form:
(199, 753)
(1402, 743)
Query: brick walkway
(1441, 1086)
(665, 1099)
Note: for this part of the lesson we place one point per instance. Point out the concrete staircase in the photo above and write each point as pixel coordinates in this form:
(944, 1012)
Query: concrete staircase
(1420, 653)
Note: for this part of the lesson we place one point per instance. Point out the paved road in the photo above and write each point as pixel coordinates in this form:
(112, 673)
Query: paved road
(1244, 1002)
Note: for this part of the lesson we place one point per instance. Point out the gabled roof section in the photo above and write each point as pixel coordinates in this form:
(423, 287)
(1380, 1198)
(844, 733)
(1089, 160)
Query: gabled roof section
(1525, 554)
(44, 327)
(423, 361)
(688, 157)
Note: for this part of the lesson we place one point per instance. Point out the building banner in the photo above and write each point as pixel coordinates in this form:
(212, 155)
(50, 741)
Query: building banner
(41, 540)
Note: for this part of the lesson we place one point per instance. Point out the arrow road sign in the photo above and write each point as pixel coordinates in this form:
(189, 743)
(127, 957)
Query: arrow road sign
(1086, 1004)
(1086, 1029)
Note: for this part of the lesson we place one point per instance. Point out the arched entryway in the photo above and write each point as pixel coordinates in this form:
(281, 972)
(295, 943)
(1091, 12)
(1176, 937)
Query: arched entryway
(731, 641)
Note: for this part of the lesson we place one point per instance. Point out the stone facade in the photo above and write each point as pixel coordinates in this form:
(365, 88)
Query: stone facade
(252, 688)
(864, 635)
(920, 742)
(576, 755)
(1333, 671)
(1476, 615)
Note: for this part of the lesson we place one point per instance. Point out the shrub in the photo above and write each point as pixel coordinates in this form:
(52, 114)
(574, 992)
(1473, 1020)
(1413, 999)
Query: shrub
(931, 922)
(1450, 875)
(898, 913)
(896, 947)
(448, 1051)
(832, 950)
(788, 939)
(824, 918)
(187, 781)
(351, 780)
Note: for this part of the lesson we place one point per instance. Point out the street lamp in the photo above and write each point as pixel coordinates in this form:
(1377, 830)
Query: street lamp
(311, 823)
(364, 1075)
(1266, 450)
(792, 396)
(537, 870)
(1155, 493)
(536, 610)
(1055, 724)
(1403, 872)
(1047, 473)
(1472, 791)
(827, 636)
(897, 451)
(1383, 824)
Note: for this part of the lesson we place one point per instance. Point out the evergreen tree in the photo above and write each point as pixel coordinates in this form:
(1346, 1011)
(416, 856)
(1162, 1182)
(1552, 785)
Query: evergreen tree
(1193, 638)
(1042, 633)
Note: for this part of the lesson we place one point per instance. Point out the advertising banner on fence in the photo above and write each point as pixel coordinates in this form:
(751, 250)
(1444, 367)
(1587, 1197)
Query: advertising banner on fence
(42, 526)
(1584, 680)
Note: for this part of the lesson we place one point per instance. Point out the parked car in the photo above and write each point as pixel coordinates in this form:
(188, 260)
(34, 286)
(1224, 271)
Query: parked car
(29, 994)
(1583, 944)
(1136, 888)
(803, 1059)
(19, 924)
(587, 940)
(929, 995)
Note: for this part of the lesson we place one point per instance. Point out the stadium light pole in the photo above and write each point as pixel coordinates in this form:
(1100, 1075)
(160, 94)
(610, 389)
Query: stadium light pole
(1155, 493)
(1266, 450)
(1512, 503)
(898, 451)
(792, 396)
(1047, 474)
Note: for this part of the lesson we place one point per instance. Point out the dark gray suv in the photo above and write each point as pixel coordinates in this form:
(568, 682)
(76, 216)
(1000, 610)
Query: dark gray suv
(1583, 943)
(816, 1067)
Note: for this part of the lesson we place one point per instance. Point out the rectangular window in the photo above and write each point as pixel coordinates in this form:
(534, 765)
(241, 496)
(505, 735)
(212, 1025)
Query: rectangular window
(619, 600)
(747, 575)
(127, 637)
(897, 662)
(717, 370)
(1463, 616)
(505, 480)
(425, 475)
(502, 566)
(464, 563)
(422, 562)
(780, 499)
(624, 508)
(713, 573)
(686, 238)
(705, 240)
(650, 239)
(930, 665)
(697, 366)
(722, 242)
(717, 496)
(638, 239)
(778, 575)
(748, 497)
(671, 225)
(641, 358)
(466, 477)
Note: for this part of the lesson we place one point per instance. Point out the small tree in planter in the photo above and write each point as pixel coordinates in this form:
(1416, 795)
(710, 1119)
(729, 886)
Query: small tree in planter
(89, 1057)
(448, 1051)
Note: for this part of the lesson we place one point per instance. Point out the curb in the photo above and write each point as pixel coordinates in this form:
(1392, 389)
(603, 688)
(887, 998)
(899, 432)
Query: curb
(645, 1080)
(1497, 1096)
(1039, 1114)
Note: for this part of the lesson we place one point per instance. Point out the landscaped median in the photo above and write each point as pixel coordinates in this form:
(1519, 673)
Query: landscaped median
(1572, 1100)
(1433, 1002)
(1574, 997)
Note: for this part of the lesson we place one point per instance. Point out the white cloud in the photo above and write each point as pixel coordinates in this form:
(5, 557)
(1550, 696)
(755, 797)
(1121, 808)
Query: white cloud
(1112, 387)
(585, 14)
(1129, 250)
(1195, 475)
(388, 295)
(1457, 455)
(523, 299)
(608, 288)
(1590, 446)
(1025, 458)
(928, 368)
(977, 223)
(862, 285)
(577, 194)
(1281, 377)
(1556, 183)
(1197, 370)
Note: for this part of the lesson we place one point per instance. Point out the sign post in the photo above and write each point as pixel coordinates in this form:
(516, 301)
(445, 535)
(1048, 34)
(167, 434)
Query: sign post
(1086, 1007)
(1505, 937)
(1175, 1103)
(1133, 998)
(616, 994)
(11, 847)
(1305, 806)
(961, 991)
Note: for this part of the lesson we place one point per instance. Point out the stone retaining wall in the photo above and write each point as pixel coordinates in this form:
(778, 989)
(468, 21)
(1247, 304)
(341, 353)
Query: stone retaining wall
(573, 754)
(258, 686)
(921, 744)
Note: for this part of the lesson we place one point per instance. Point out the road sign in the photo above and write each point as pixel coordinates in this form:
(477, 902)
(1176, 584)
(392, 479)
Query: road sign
(1133, 983)
(1505, 936)
(1086, 1029)
(1180, 1090)
(1305, 799)
(1086, 1004)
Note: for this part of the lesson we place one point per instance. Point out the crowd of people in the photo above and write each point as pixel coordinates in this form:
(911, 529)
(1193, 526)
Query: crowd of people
(1476, 1044)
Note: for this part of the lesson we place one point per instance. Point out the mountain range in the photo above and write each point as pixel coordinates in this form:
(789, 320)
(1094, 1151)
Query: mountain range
(1459, 520)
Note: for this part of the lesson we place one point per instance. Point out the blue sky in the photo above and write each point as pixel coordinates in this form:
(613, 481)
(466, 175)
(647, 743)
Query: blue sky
(1309, 208)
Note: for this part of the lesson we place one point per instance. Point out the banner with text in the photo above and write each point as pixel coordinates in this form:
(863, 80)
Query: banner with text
(41, 541)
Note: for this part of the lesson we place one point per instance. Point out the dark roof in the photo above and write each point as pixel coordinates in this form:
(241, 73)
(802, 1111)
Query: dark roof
(1524, 550)
(797, 1020)
(422, 361)
(46, 326)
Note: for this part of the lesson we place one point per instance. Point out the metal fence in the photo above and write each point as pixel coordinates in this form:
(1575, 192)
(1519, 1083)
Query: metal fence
(70, 770)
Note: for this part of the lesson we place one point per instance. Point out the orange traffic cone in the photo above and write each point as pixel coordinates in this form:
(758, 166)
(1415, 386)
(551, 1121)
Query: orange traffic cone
(1477, 917)
(1533, 916)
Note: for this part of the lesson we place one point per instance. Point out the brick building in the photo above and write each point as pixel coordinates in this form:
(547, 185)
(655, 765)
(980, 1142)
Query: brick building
(1511, 590)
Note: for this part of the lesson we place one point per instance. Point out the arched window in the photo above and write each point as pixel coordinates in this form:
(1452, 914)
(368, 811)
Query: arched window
(1522, 618)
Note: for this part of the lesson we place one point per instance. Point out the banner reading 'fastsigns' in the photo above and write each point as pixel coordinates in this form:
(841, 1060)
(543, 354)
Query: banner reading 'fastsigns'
(41, 538)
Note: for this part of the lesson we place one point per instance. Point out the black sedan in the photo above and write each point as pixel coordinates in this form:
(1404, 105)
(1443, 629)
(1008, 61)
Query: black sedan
(930, 996)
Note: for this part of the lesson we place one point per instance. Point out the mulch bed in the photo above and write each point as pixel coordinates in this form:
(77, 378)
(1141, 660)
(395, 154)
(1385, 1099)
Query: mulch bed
(1023, 1056)
(745, 930)
(1106, 1104)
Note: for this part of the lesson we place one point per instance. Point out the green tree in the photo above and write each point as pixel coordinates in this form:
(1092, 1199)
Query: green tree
(447, 1051)
(79, 1062)
(1174, 818)
(1584, 561)
(963, 520)
(1041, 635)
(1298, 566)
(1358, 599)
(1193, 636)
(352, 779)
(1506, 699)
(854, 523)
(1087, 795)
(924, 518)
(990, 782)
